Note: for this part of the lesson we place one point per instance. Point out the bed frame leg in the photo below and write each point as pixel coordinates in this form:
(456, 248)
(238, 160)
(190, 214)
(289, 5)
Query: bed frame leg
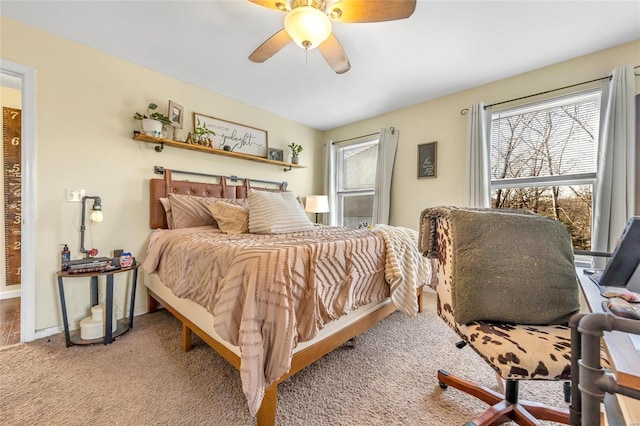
(420, 296)
(186, 338)
(152, 304)
(267, 412)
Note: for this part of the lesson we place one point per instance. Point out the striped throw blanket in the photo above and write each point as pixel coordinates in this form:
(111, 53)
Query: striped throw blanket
(405, 267)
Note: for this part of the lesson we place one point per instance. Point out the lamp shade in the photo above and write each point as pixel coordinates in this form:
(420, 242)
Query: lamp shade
(307, 26)
(316, 204)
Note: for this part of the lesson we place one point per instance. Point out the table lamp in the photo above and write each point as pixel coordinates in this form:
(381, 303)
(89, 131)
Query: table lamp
(316, 204)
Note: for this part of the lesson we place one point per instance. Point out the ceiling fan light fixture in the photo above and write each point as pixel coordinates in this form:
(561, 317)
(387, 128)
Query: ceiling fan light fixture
(307, 26)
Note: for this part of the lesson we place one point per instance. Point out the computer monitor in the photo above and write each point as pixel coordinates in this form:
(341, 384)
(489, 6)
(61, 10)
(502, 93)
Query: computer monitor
(625, 258)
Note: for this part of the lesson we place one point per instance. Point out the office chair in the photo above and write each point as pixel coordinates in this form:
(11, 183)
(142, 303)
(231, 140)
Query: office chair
(517, 324)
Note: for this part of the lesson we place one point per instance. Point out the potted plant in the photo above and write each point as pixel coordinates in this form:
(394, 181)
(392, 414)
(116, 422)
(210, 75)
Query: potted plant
(295, 152)
(203, 135)
(152, 122)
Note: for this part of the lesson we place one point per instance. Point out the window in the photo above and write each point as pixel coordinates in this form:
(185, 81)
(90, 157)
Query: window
(544, 159)
(356, 182)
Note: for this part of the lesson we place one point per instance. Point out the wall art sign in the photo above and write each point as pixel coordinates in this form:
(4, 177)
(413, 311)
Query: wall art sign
(231, 136)
(427, 160)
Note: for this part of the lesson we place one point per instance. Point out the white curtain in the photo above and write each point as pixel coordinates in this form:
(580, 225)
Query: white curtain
(478, 192)
(615, 185)
(330, 189)
(384, 171)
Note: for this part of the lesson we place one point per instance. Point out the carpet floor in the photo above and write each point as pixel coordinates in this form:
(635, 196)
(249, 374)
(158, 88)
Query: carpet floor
(388, 378)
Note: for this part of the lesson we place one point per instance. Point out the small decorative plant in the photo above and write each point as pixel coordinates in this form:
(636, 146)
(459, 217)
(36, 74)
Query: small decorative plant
(202, 134)
(295, 149)
(153, 115)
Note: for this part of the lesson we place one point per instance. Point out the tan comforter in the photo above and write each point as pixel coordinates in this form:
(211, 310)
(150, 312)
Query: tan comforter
(269, 292)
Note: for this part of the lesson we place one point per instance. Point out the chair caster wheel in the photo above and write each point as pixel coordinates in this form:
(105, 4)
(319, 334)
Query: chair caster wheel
(443, 385)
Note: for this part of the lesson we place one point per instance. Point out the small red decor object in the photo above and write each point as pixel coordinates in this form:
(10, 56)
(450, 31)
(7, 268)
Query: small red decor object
(93, 252)
(126, 260)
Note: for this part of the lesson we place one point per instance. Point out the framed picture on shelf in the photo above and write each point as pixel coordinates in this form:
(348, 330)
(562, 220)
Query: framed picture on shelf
(427, 160)
(276, 154)
(176, 115)
(231, 136)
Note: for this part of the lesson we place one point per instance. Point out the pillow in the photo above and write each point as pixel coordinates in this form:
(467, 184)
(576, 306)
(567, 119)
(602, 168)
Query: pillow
(276, 213)
(513, 268)
(231, 218)
(167, 211)
(190, 210)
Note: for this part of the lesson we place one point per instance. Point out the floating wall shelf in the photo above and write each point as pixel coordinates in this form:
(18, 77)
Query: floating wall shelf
(194, 147)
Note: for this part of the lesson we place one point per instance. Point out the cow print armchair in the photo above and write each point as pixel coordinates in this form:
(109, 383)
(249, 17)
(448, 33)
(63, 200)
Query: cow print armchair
(506, 284)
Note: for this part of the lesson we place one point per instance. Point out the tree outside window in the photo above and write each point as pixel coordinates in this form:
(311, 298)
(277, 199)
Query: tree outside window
(544, 159)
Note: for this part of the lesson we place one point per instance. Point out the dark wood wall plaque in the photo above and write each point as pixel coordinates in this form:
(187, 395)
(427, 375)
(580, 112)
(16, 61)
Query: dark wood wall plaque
(12, 145)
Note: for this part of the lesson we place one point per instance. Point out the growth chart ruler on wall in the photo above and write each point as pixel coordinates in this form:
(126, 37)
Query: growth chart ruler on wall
(12, 146)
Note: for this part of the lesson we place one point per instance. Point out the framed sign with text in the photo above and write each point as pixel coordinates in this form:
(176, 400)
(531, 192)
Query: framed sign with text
(231, 136)
(427, 160)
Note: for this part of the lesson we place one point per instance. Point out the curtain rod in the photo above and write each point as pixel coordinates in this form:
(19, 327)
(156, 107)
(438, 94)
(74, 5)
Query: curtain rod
(357, 137)
(464, 111)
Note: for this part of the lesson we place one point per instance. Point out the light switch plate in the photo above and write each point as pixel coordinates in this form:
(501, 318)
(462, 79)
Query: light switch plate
(75, 195)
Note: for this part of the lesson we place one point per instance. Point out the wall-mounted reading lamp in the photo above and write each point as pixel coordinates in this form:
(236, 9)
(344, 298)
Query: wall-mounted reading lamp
(96, 216)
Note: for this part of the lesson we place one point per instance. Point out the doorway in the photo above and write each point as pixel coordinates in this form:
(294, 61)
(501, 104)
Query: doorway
(24, 76)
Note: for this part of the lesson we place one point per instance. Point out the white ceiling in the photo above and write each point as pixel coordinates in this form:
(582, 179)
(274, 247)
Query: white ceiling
(444, 47)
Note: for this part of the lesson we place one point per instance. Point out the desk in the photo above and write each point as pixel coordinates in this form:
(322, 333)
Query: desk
(123, 325)
(622, 354)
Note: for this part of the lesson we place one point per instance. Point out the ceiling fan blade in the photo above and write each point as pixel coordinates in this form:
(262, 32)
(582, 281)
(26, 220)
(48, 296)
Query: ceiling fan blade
(282, 5)
(273, 45)
(333, 53)
(370, 11)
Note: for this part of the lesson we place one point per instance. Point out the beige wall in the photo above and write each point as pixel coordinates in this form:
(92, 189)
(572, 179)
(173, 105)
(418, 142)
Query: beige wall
(85, 101)
(9, 98)
(440, 120)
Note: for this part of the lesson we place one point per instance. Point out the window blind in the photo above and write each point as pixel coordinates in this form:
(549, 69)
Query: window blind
(555, 138)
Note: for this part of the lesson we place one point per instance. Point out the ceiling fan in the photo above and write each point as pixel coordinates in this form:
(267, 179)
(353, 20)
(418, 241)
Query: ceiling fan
(308, 24)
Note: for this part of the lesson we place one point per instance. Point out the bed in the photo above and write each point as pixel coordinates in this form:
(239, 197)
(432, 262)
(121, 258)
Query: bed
(273, 303)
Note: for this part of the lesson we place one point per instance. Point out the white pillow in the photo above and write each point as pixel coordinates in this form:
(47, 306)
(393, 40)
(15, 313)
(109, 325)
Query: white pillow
(276, 213)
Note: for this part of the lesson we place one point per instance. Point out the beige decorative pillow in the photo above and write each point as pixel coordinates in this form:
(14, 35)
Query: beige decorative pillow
(276, 213)
(190, 210)
(231, 218)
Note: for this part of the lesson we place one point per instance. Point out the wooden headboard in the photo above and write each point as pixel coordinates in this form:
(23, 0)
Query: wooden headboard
(161, 188)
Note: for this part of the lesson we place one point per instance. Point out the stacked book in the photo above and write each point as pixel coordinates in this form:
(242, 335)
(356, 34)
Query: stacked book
(94, 264)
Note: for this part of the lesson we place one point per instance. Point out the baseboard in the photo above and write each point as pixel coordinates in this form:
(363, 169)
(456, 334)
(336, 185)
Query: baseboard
(10, 294)
(46, 332)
